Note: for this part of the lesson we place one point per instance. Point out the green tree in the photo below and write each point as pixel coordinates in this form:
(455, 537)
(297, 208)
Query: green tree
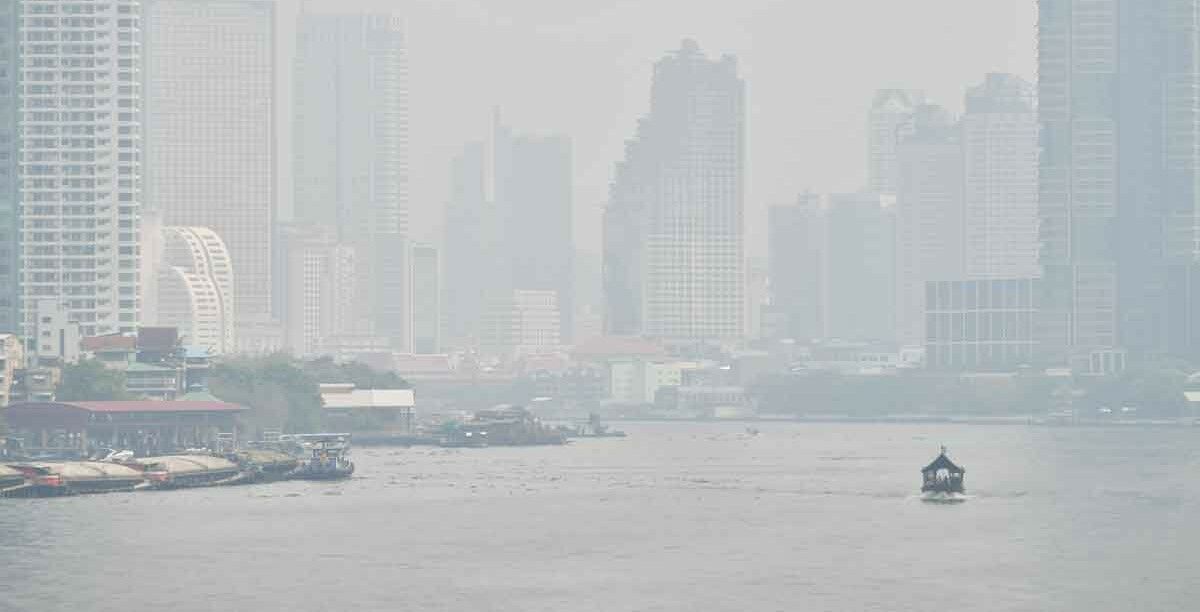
(277, 390)
(89, 380)
(361, 375)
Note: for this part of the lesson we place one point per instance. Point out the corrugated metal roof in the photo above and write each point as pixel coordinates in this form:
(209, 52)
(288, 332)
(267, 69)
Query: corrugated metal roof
(370, 398)
(138, 366)
(111, 342)
(153, 406)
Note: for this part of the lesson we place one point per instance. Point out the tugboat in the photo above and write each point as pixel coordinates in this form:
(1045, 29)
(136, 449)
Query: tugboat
(942, 480)
(327, 459)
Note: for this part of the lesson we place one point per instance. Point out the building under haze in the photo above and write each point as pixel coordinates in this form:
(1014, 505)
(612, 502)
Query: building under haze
(533, 194)
(796, 268)
(1119, 177)
(209, 82)
(988, 324)
(999, 134)
(890, 121)
(425, 287)
(318, 288)
(80, 146)
(350, 152)
(928, 214)
(195, 288)
(10, 201)
(673, 243)
(472, 263)
(860, 267)
(520, 323)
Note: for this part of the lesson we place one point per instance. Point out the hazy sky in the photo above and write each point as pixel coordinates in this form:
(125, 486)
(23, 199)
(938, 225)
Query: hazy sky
(583, 68)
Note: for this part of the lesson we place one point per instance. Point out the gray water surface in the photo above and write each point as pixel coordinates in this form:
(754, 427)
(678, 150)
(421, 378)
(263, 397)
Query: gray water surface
(677, 516)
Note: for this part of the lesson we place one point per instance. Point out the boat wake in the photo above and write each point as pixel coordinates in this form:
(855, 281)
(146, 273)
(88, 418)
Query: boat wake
(940, 497)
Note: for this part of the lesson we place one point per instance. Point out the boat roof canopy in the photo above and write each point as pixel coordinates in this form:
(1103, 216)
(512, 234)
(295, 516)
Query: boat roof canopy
(942, 463)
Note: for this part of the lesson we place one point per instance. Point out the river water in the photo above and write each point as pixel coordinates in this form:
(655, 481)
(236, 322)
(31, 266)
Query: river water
(682, 516)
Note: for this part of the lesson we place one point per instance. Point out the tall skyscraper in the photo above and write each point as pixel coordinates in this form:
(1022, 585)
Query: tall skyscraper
(10, 218)
(350, 127)
(473, 266)
(1000, 161)
(1118, 87)
(674, 251)
(210, 135)
(534, 197)
(860, 267)
(81, 182)
(929, 215)
(890, 122)
(796, 267)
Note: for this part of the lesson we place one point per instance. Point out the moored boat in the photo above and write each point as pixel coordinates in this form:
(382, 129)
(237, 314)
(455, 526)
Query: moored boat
(10, 479)
(942, 480)
(75, 477)
(327, 458)
(183, 471)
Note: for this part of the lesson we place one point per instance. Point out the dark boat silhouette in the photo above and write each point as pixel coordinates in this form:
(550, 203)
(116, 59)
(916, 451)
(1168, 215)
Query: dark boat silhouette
(943, 477)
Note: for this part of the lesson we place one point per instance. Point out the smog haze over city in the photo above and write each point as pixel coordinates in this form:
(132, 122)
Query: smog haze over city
(564, 305)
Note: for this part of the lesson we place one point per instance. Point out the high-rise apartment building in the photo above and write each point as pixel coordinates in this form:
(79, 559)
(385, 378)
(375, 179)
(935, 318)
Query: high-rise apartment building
(80, 111)
(209, 82)
(350, 127)
(533, 190)
(999, 134)
(10, 208)
(930, 226)
(890, 121)
(1118, 87)
(674, 251)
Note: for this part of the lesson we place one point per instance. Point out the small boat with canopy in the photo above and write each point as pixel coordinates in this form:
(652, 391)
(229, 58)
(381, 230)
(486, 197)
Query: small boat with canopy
(943, 478)
(328, 457)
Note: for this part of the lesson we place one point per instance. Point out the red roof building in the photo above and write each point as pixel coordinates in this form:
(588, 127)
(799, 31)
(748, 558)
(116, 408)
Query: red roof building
(140, 425)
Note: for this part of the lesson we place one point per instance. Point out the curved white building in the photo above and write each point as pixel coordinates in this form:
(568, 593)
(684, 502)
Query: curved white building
(195, 287)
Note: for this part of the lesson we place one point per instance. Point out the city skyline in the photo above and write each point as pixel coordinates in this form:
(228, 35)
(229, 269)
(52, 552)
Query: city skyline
(957, 189)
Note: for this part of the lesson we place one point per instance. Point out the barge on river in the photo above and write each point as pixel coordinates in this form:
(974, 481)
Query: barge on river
(265, 465)
(74, 478)
(10, 479)
(186, 471)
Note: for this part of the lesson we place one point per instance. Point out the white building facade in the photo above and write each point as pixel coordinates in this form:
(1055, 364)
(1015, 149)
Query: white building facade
(673, 237)
(81, 163)
(210, 134)
(1000, 161)
(195, 288)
